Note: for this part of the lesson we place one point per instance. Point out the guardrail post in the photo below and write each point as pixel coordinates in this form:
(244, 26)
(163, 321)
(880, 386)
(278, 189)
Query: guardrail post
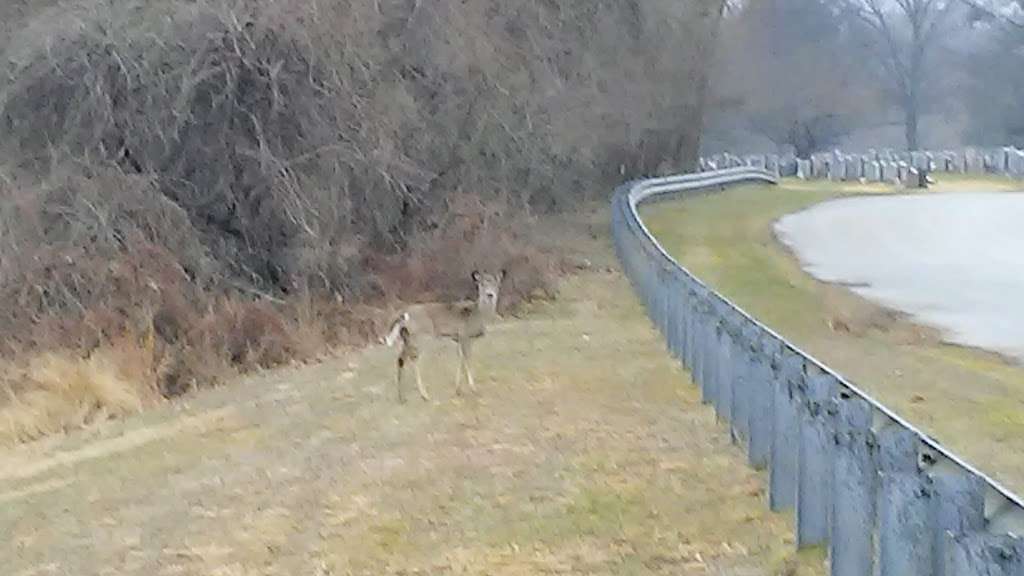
(672, 321)
(679, 298)
(785, 431)
(669, 305)
(983, 554)
(664, 299)
(709, 351)
(958, 507)
(759, 450)
(648, 283)
(743, 370)
(658, 298)
(904, 532)
(854, 489)
(724, 371)
(690, 346)
(700, 338)
(817, 447)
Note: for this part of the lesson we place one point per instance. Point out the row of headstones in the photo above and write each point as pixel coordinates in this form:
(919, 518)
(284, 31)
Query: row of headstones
(897, 167)
(873, 494)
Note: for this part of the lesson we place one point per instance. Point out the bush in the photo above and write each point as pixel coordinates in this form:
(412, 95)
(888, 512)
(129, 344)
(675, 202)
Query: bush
(241, 182)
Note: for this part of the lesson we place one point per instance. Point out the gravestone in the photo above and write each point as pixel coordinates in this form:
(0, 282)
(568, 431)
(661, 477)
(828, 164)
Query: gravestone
(918, 160)
(991, 163)
(788, 166)
(803, 169)
(1017, 163)
(973, 162)
(874, 171)
(853, 170)
(835, 170)
(917, 178)
(948, 162)
(885, 171)
(819, 165)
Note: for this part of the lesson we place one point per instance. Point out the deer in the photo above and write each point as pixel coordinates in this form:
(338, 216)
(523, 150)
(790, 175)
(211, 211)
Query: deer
(464, 322)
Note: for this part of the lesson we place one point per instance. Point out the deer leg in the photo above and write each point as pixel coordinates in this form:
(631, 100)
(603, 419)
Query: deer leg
(419, 382)
(466, 350)
(458, 373)
(398, 379)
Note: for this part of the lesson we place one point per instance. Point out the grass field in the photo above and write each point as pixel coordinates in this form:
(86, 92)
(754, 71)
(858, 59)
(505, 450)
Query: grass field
(970, 400)
(586, 451)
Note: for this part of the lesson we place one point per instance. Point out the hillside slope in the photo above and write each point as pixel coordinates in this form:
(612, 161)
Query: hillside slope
(585, 451)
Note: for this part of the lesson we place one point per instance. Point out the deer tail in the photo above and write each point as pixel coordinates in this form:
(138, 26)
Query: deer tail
(396, 328)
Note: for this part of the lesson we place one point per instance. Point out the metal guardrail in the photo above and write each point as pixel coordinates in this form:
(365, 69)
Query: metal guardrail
(883, 496)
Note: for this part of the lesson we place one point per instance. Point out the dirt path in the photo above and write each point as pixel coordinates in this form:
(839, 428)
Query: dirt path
(586, 451)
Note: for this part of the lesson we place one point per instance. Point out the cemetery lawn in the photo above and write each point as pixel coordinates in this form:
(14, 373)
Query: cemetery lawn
(970, 400)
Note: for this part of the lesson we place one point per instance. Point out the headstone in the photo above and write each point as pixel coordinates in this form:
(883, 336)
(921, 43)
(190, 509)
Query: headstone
(835, 170)
(788, 166)
(874, 171)
(990, 163)
(947, 162)
(886, 169)
(917, 178)
(968, 162)
(803, 169)
(853, 171)
(1017, 163)
(819, 166)
(918, 160)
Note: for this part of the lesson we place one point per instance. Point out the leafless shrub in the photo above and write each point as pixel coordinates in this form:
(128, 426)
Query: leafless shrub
(233, 183)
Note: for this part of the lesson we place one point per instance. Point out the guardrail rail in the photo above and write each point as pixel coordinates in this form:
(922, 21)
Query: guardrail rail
(880, 494)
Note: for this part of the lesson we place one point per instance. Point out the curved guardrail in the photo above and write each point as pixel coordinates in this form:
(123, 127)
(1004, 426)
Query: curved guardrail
(882, 495)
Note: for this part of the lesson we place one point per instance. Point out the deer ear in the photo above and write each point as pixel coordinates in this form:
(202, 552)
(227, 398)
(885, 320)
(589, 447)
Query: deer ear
(475, 275)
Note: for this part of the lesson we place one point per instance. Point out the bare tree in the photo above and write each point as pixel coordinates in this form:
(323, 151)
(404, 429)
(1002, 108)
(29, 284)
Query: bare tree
(789, 71)
(1005, 11)
(905, 32)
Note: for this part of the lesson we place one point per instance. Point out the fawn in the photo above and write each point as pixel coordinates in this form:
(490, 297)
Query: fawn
(463, 322)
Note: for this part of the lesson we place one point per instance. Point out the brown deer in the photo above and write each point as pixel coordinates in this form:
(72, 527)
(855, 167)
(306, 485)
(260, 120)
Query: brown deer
(463, 322)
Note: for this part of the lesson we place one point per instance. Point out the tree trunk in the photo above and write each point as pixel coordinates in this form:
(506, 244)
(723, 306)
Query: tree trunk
(911, 120)
(915, 78)
(689, 147)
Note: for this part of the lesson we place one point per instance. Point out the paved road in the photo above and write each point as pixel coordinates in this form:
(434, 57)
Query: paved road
(952, 261)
